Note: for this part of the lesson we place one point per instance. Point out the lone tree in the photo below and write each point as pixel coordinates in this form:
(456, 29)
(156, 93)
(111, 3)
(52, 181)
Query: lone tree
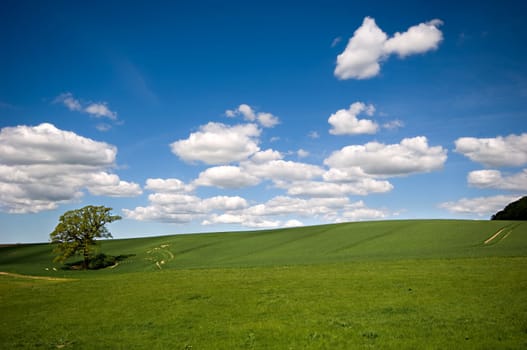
(77, 231)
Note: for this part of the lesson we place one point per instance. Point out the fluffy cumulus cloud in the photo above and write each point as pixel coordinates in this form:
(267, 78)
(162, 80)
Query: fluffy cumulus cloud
(226, 176)
(267, 120)
(411, 155)
(274, 213)
(417, 39)
(315, 191)
(43, 166)
(359, 211)
(217, 143)
(360, 187)
(495, 179)
(369, 46)
(173, 201)
(282, 170)
(482, 206)
(167, 185)
(346, 122)
(495, 152)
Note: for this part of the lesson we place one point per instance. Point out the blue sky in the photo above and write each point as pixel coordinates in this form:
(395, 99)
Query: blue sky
(217, 116)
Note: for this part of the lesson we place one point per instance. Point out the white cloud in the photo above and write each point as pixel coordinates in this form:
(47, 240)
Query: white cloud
(361, 212)
(224, 219)
(482, 206)
(417, 39)
(370, 45)
(243, 220)
(168, 186)
(104, 184)
(266, 156)
(69, 101)
(103, 127)
(285, 205)
(267, 120)
(226, 177)
(302, 153)
(336, 41)
(360, 59)
(495, 179)
(224, 203)
(183, 207)
(392, 125)
(336, 209)
(293, 223)
(267, 214)
(495, 152)
(168, 207)
(361, 187)
(411, 155)
(217, 143)
(95, 109)
(100, 110)
(45, 144)
(313, 135)
(345, 122)
(282, 170)
(42, 167)
(344, 175)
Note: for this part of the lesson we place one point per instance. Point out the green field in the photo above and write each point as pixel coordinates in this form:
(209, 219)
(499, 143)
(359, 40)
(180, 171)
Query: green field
(390, 285)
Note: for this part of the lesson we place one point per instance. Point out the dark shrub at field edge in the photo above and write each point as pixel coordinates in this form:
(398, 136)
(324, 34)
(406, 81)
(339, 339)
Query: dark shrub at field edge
(100, 261)
(513, 211)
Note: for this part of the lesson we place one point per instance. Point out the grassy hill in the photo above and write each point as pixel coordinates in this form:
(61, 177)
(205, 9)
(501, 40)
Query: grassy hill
(382, 240)
(433, 284)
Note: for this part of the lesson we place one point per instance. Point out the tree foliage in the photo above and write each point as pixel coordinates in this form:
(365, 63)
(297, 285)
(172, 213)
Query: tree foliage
(513, 211)
(77, 231)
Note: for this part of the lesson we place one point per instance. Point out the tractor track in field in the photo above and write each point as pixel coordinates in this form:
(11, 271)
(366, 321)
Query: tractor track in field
(493, 236)
(44, 278)
(508, 229)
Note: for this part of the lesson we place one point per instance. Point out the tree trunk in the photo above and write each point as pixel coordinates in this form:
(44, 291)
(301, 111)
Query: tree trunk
(85, 255)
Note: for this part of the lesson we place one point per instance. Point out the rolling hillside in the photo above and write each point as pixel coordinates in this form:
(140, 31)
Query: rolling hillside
(362, 241)
(437, 284)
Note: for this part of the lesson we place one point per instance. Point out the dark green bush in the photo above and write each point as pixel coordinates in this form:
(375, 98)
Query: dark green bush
(100, 261)
(513, 211)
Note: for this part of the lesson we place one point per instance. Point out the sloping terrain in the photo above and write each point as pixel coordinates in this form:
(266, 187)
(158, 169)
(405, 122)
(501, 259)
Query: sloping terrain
(370, 241)
(391, 285)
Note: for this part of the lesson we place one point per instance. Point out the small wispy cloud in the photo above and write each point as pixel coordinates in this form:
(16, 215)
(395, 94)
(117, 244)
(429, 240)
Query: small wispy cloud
(100, 110)
(267, 120)
(5, 105)
(313, 135)
(302, 153)
(336, 41)
(69, 101)
(94, 109)
(393, 125)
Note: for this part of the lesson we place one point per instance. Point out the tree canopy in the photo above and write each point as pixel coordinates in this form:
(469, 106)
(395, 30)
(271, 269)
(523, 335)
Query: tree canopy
(77, 230)
(513, 211)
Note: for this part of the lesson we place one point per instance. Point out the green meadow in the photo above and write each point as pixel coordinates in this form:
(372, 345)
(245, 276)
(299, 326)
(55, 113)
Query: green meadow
(418, 284)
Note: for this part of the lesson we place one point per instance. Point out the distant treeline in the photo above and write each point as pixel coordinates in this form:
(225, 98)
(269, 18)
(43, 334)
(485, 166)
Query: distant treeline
(513, 211)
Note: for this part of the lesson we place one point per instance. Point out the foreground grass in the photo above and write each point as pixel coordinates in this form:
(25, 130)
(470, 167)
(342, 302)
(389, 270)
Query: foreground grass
(477, 303)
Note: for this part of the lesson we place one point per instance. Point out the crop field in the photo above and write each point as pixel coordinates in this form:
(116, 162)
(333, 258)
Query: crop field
(423, 284)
